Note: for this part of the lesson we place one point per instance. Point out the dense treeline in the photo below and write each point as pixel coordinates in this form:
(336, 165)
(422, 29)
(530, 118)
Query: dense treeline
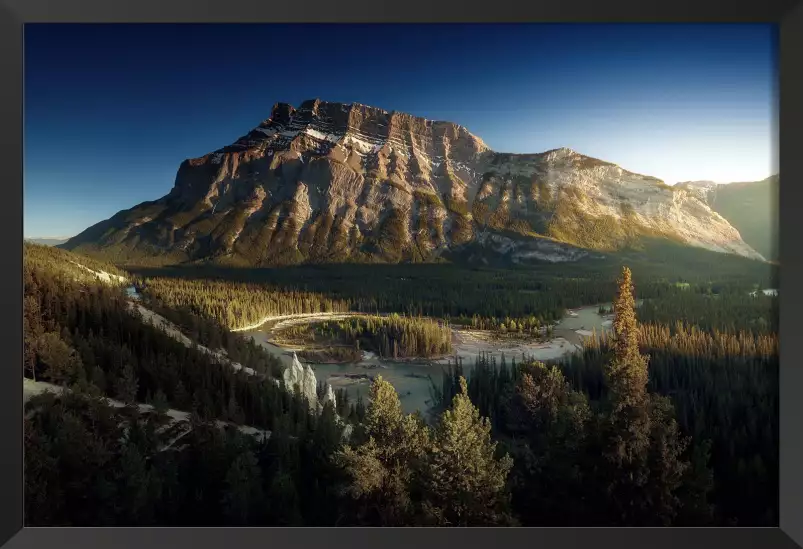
(430, 291)
(507, 302)
(392, 336)
(86, 334)
(235, 305)
(714, 308)
(211, 334)
(89, 464)
(619, 459)
(507, 327)
(724, 388)
(77, 267)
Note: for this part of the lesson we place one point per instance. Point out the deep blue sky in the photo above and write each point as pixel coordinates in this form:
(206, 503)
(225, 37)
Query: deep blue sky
(111, 110)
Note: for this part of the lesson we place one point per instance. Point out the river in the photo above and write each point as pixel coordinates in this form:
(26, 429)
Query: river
(411, 380)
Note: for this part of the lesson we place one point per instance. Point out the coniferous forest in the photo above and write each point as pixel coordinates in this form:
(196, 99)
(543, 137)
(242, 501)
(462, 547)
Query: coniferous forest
(391, 336)
(721, 389)
(670, 420)
(405, 301)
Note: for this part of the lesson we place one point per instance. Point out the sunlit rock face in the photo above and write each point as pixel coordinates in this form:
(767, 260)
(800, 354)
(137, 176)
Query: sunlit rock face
(334, 182)
(302, 376)
(329, 397)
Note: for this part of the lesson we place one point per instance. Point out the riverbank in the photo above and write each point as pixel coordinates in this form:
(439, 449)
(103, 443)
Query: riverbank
(413, 377)
(284, 321)
(568, 336)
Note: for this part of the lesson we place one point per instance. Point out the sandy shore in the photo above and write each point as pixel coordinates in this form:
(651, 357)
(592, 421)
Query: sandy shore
(410, 377)
(467, 344)
(470, 343)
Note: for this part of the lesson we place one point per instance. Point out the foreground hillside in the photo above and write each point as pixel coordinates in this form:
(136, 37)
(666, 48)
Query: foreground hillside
(331, 182)
(153, 423)
(125, 373)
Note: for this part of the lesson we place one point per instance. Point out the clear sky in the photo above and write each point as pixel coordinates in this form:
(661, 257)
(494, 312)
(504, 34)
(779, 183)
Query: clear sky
(112, 110)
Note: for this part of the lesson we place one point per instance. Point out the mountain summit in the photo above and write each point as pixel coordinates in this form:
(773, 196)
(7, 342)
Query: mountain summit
(338, 182)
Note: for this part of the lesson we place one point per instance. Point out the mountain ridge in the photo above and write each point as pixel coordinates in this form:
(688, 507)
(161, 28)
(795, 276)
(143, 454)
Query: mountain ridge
(334, 181)
(750, 206)
(47, 240)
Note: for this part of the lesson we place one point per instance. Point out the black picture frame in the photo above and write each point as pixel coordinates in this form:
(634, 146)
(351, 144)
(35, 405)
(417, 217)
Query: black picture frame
(14, 14)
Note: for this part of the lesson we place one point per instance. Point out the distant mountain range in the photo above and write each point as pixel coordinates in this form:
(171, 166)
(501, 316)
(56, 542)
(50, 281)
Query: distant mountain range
(333, 182)
(48, 241)
(751, 207)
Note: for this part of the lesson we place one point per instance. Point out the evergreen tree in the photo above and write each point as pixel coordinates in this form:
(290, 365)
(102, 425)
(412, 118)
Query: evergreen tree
(127, 384)
(242, 493)
(640, 439)
(59, 359)
(381, 465)
(135, 488)
(160, 404)
(550, 423)
(464, 483)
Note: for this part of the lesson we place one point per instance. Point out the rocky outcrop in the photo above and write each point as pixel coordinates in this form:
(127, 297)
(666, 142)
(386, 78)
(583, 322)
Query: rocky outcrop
(303, 376)
(333, 182)
(329, 396)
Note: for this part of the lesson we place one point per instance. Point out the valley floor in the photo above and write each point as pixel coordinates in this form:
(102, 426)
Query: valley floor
(413, 377)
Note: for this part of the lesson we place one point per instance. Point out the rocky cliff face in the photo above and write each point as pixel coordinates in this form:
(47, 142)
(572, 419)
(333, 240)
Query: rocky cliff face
(337, 182)
(303, 376)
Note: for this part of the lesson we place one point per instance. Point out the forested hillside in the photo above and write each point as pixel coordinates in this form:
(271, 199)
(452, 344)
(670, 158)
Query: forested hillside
(724, 390)
(665, 424)
(392, 336)
(88, 463)
(238, 297)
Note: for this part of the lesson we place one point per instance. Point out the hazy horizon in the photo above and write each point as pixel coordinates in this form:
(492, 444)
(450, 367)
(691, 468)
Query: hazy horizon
(112, 110)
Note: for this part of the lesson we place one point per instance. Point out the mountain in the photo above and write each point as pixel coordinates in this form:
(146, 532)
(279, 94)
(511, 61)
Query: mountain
(751, 207)
(48, 241)
(333, 182)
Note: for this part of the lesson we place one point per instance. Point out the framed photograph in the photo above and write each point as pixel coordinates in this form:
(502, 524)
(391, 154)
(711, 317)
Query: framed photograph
(338, 270)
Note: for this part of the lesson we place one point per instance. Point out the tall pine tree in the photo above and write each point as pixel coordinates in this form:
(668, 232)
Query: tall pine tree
(464, 482)
(645, 467)
(380, 467)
